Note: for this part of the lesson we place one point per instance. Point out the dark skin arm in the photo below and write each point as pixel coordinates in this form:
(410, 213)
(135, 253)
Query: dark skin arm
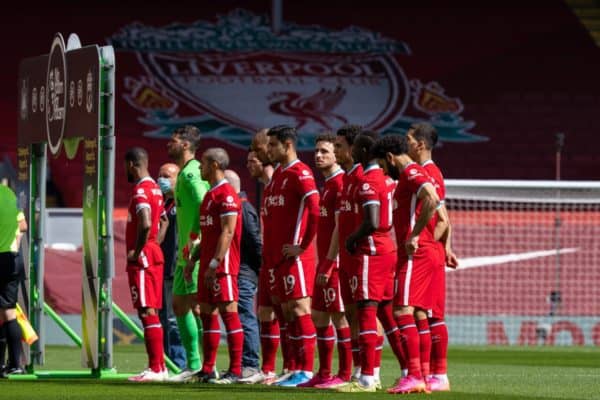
(162, 230)
(369, 224)
(143, 229)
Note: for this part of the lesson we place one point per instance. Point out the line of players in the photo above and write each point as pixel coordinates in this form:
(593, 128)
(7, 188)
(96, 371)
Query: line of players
(362, 283)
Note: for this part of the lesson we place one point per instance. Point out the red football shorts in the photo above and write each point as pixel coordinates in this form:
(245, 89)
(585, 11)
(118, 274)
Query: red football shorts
(223, 290)
(438, 284)
(146, 277)
(328, 298)
(295, 278)
(372, 276)
(414, 278)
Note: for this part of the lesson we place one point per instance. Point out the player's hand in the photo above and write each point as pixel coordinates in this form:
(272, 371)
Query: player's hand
(322, 279)
(350, 244)
(209, 277)
(131, 257)
(188, 271)
(411, 245)
(451, 259)
(291, 251)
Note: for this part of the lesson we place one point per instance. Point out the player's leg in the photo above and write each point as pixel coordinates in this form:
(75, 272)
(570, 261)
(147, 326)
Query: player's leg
(211, 338)
(438, 381)
(247, 314)
(186, 321)
(227, 303)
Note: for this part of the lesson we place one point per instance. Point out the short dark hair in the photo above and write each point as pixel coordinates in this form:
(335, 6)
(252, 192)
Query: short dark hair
(426, 132)
(283, 133)
(365, 140)
(325, 137)
(349, 132)
(190, 134)
(394, 144)
(137, 155)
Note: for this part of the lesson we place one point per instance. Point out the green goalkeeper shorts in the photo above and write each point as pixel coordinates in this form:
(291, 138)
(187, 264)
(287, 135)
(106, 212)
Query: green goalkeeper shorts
(180, 286)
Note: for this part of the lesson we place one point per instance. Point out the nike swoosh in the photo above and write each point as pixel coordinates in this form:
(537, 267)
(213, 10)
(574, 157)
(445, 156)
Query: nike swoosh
(476, 262)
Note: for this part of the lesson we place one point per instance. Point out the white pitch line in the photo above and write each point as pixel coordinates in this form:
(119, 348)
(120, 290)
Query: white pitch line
(476, 262)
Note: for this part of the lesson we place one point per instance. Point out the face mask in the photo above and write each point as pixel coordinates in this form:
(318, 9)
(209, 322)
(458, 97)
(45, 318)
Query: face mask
(164, 184)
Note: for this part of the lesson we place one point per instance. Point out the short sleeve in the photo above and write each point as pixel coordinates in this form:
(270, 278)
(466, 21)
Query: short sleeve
(366, 194)
(228, 204)
(305, 184)
(141, 199)
(416, 179)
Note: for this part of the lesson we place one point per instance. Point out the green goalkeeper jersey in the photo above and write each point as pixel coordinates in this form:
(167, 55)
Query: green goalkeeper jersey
(189, 192)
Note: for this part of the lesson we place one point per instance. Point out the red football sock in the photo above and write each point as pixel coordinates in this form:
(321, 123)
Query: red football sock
(367, 320)
(325, 342)
(355, 352)
(424, 345)
(269, 341)
(153, 339)
(287, 350)
(235, 340)
(408, 328)
(378, 350)
(386, 317)
(439, 346)
(344, 347)
(307, 334)
(210, 340)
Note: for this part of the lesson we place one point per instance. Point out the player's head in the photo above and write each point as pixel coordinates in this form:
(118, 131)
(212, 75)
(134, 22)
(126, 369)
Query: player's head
(387, 149)
(234, 179)
(213, 163)
(282, 142)
(259, 145)
(343, 143)
(136, 163)
(324, 151)
(167, 177)
(361, 148)
(254, 165)
(421, 137)
(184, 139)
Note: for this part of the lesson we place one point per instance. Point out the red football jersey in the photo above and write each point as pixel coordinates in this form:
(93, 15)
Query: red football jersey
(372, 188)
(221, 200)
(347, 219)
(407, 206)
(327, 206)
(286, 214)
(438, 179)
(146, 194)
(269, 255)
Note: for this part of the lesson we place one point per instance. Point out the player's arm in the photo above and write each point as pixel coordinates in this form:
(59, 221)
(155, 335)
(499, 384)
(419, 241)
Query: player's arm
(445, 239)
(429, 203)
(369, 224)
(22, 227)
(325, 267)
(162, 227)
(196, 189)
(143, 229)
(228, 223)
(311, 201)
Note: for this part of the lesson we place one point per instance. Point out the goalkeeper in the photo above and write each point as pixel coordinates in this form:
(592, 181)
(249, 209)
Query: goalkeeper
(189, 192)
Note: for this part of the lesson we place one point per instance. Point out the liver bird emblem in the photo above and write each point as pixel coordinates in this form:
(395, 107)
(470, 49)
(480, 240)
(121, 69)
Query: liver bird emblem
(317, 107)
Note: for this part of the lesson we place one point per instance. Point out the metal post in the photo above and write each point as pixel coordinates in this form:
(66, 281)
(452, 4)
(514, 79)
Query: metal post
(108, 170)
(38, 222)
(276, 16)
(555, 295)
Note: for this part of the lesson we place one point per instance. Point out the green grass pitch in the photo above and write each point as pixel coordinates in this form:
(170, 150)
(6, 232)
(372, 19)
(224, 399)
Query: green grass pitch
(476, 373)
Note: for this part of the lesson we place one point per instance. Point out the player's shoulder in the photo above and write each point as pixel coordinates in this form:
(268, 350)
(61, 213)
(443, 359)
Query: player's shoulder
(191, 171)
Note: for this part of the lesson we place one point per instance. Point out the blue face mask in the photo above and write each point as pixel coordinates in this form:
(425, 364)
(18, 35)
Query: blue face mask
(164, 184)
